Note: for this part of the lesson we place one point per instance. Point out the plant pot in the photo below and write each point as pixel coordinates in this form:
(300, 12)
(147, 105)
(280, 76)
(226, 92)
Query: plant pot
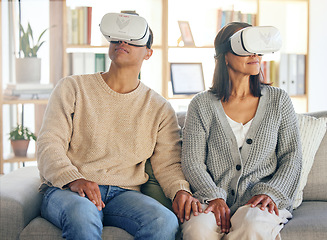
(28, 70)
(20, 147)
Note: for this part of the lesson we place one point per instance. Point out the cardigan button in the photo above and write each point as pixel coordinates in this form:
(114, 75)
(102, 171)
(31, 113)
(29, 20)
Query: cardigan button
(233, 192)
(249, 141)
(238, 167)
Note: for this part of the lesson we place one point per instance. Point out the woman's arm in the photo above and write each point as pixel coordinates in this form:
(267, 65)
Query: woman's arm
(282, 186)
(194, 152)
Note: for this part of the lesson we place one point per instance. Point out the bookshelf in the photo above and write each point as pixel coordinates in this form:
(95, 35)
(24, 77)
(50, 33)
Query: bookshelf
(164, 21)
(4, 102)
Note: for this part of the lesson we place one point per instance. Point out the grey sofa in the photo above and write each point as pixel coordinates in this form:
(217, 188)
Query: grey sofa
(20, 204)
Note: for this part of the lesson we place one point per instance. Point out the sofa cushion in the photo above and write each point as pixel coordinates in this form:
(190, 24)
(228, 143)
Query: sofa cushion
(309, 222)
(317, 180)
(312, 131)
(152, 187)
(41, 229)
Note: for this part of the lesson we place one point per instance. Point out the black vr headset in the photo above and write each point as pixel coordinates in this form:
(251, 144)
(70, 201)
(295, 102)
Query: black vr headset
(252, 40)
(129, 28)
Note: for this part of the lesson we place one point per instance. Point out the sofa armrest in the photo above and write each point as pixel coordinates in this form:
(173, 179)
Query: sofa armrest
(20, 201)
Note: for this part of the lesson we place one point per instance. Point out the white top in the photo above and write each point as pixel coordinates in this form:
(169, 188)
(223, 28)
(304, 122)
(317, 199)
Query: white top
(239, 130)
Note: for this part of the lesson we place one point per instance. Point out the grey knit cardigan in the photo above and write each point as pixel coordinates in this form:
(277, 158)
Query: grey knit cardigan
(269, 162)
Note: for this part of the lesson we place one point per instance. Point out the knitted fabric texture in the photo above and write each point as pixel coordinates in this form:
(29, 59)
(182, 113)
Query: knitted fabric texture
(92, 132)
(268, 163)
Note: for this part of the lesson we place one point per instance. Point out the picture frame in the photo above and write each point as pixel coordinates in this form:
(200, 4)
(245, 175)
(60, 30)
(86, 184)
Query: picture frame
(186, 78)
(186, 33)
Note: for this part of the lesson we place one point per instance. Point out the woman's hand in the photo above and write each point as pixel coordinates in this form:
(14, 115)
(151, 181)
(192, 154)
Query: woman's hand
(222, 213)
(265, 201)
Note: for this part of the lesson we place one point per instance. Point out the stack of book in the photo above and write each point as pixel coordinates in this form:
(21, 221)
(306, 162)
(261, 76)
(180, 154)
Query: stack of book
(227, 16)
(79, 21)
(28, 91)
(292, 73)
(87, 63)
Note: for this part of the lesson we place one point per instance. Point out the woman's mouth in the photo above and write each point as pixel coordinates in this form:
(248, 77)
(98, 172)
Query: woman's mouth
(253, 62)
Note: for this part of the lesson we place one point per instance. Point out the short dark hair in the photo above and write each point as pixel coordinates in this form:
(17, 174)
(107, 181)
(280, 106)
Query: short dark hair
(150, 40)
(221, 85)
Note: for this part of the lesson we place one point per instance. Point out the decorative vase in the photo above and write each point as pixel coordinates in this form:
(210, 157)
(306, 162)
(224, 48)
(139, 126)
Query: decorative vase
(28, 70)
(20, 147)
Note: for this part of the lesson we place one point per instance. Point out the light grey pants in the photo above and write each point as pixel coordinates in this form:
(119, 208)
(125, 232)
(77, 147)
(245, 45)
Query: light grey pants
(247, 224)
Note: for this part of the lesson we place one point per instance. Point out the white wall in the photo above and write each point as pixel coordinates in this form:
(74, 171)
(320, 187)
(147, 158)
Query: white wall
(317, 87)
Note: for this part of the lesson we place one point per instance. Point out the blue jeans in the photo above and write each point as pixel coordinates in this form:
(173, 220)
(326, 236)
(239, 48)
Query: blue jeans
(140, 215)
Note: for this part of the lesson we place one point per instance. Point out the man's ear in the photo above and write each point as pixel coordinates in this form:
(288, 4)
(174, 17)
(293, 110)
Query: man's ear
(148, 54)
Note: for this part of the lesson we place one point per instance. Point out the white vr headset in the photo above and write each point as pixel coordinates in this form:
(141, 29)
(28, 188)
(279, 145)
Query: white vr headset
(252, 40)
(128, 28)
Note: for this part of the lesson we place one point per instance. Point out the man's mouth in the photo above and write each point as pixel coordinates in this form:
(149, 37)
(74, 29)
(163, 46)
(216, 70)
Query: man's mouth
(122, 49)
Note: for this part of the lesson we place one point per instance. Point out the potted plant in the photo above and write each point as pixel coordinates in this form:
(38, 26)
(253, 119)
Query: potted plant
(20, 137)
(28, 68)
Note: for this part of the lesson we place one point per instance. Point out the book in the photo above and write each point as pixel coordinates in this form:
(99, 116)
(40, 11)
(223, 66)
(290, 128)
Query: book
(88, 62)
(292, 74)
(28, 91)
(100, 65)
(89, 24)
(283, 72)
(27, 86)
(74, 24)
(79, 24)
(300, 77)
(273, 73)
(77, 63)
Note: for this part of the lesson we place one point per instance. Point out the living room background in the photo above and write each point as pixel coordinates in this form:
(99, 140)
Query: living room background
(299, 20)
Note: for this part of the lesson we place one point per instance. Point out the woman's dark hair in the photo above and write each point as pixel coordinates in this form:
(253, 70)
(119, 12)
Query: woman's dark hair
(221, 85)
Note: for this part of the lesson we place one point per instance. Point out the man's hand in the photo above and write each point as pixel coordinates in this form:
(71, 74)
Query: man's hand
(221, 212)
(265, 201)
(91, 189)
(183, 204)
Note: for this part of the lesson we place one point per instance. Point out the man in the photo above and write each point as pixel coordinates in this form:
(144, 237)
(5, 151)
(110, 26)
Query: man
(98, 131)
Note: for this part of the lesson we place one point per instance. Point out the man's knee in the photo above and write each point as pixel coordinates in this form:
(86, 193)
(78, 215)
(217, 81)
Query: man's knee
(164, 219)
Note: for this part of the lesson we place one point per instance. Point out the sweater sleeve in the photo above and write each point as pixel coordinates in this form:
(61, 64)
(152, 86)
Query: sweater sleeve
(54, 165)
(283, 184)
(194, 154)
(166, 158)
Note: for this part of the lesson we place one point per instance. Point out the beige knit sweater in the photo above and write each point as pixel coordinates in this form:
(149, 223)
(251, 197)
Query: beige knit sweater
(92, 132)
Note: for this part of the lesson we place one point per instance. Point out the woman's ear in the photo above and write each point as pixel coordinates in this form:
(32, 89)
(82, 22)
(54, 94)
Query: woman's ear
(226, 60)
(148, 54)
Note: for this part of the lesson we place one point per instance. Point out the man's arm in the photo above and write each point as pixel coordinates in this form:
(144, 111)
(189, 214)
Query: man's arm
(55, 134)
(166, 164)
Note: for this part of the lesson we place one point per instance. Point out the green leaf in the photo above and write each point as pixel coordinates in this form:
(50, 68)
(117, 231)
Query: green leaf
(27, 45)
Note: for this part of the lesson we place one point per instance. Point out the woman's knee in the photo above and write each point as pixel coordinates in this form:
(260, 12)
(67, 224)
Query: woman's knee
(200, 227)
(254, 223)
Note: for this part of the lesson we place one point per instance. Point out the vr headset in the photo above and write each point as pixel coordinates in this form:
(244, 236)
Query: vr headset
(129, 28)
(252, 40)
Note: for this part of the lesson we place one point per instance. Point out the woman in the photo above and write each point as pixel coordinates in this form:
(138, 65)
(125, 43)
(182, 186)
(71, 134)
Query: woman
(241, 151)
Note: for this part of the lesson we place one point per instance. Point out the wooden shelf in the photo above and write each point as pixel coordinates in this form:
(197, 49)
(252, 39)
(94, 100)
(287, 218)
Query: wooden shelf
(14, 159)
(23, 101)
